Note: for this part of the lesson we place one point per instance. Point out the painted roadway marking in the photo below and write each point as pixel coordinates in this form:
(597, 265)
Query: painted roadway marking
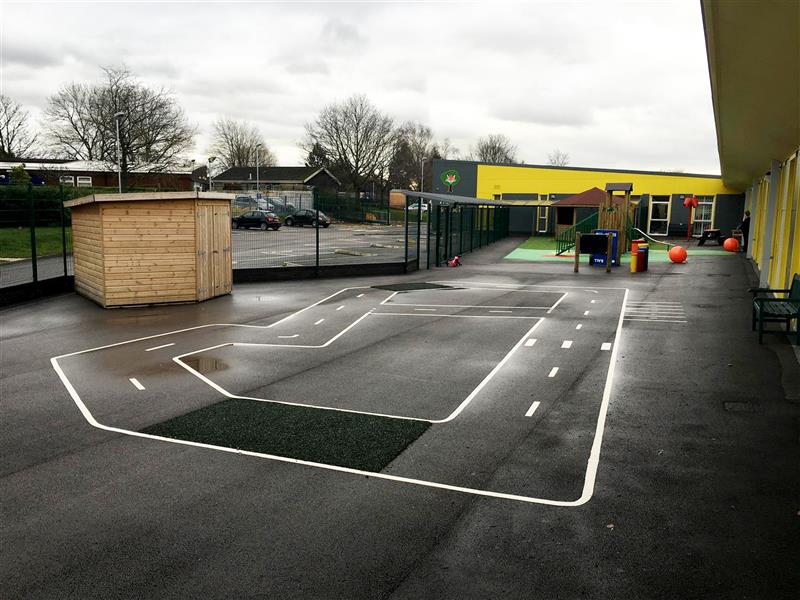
(530, 342)
(136, 383)
(579, 326)
(553, 372)
(586, 313)
(606, 346)
(592, 464)
(341, 307)
(159, 347)
(533, 408)
(288, 337)
(360, 296)
(426, 309)
(566, 344)
(318, 322)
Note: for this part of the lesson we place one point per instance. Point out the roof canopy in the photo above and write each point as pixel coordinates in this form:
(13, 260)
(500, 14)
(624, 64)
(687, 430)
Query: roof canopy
(451, 198)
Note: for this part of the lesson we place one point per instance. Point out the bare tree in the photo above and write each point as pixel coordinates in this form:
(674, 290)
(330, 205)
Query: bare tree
(356, 137)
(494, 148)
(557, 158)
(154, 132)
(234, 144)
(445, 149)
(16, 139)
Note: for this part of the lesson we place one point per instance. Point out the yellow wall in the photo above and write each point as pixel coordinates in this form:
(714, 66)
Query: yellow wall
(501, 179)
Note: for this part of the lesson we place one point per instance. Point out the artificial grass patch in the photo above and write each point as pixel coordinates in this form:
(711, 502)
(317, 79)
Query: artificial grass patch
(364, 442)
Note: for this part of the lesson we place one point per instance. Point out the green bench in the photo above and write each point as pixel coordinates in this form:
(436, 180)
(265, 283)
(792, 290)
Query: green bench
(777, 310)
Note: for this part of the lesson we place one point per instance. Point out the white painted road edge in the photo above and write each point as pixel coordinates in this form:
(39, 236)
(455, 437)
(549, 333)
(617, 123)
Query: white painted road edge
(592, 463)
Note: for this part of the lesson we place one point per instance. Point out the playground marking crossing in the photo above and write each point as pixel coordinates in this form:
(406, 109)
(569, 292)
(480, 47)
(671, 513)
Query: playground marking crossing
(592, 463)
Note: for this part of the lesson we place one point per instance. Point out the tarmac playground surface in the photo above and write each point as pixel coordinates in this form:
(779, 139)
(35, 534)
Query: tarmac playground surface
(510, 431)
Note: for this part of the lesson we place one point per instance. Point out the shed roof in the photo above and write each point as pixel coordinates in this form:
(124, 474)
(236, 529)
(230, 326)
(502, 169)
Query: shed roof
(142, 196)
(591, 197)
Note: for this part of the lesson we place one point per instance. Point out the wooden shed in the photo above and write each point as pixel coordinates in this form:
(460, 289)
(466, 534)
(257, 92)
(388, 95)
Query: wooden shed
(152, 247)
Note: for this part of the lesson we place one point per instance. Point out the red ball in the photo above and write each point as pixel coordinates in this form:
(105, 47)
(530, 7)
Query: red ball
(731, 244)
(678, 254)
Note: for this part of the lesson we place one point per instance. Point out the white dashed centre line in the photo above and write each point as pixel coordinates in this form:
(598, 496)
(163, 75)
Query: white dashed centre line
(318, 322)
(532, 409)
(553, 372)
(591, 301)
(136, 383)
(341, 307)
(530, 342)
(586, 313)
(288, 337)
(566, 344)
(426, 309)
(359, 296)
(159, 347)
(606, 346)
(579, 326)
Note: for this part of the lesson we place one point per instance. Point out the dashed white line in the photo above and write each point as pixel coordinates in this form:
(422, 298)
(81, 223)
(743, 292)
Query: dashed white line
(341, 307)
(605, 346)
(530, 342)
(426, 309)
(359, 296)
(553, 372)
(579, 326)
(318, 322)
(566, 344)
(532, 409)
(159, 347)
(586, 313)
(591, 301)
(288, 337)
(501, 311)
(136, 383)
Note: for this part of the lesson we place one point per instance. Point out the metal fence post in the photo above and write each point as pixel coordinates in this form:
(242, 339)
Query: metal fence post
(63, 229)
(405, 227)
(438, 233)
(419, 229)
(316, 235)
(34, 267)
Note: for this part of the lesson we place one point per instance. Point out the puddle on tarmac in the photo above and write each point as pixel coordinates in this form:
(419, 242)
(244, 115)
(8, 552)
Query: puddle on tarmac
(205, 364)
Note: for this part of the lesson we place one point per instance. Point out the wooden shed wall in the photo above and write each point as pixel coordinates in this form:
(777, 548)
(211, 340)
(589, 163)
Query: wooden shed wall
(87, 252)
(150, 252)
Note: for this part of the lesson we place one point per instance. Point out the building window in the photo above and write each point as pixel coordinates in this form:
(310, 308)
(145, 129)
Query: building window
(703, 215)
(84, 181)
(498, 197)
(67, 180)
(658, 223)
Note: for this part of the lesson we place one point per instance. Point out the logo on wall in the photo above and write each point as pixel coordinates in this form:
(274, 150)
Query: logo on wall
(450, 178)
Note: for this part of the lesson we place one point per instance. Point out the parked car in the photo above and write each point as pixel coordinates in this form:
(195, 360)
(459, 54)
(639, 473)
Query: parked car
(415, 206)
(307, 217)
(260, 219)
(281, 204)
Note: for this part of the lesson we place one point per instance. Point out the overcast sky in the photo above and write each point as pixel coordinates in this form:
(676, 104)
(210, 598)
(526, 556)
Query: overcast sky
(612, 84)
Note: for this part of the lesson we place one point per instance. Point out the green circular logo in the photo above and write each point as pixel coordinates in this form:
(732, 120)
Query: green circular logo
(450, 178)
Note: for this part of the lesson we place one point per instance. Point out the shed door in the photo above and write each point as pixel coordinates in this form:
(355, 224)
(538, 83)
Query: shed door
(213, 250)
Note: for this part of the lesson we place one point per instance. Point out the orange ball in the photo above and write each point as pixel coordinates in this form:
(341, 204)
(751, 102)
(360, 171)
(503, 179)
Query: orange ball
(731, 244)
(678, 254)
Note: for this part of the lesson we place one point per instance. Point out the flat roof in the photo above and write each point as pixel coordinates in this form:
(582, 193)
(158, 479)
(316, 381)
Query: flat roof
(144, 196)
(451, 198)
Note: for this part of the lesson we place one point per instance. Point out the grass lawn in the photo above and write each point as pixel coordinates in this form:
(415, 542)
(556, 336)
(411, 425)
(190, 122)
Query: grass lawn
(364, 442)
(16, 242)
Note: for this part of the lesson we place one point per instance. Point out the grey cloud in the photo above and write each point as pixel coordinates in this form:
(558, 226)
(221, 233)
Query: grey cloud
(31, 57)
(305, 66)
(544, 113)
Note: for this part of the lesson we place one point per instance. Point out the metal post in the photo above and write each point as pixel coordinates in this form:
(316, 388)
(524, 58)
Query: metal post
(405, 227)
(428, 238)
(419, 229)
(447, 224)
(316, 236)
(471, 228)
(257, 147)
(34, 268)
(119, 150)
(577, 252)
(63, 229)
(609, 248)
(438, 232)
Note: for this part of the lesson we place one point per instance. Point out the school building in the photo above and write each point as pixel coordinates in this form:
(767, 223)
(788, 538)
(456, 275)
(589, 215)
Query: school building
(545, 200)
(753, 52)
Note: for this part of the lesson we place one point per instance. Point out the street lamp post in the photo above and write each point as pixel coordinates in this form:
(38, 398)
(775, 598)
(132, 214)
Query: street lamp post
(211, 159)
(422, 175)
(117, 117)
(257, 147)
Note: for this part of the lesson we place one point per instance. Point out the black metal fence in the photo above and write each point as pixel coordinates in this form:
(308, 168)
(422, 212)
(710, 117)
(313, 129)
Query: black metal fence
(458, 229)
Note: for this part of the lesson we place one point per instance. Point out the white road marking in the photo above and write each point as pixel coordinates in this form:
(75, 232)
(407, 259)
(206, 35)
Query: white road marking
(426, 309)
(532, 409)
(530, 342)
(657, 320)
(605, 346)
(501, 311)
(586, 313)
(341, 307)
(159, 347)
(136, 383)
(318, 322)
(552, 308)
(566, 344)
(359, 296)
(553, 372)
(591, 301)
(579, 326)
(288, 337)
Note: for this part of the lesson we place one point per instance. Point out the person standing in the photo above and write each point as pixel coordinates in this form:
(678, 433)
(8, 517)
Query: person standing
(744, 227)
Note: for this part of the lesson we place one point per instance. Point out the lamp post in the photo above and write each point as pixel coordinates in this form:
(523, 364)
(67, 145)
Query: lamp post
(211, 159)
(422, 175)
(257, 147)
(117, 117)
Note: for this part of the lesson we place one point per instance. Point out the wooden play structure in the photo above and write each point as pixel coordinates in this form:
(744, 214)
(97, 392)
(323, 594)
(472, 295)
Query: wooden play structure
(617, 215)
(152, 248)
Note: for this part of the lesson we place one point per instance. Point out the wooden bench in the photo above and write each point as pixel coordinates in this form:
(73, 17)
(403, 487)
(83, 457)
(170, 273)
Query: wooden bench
(711, 234)
(777, 310)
